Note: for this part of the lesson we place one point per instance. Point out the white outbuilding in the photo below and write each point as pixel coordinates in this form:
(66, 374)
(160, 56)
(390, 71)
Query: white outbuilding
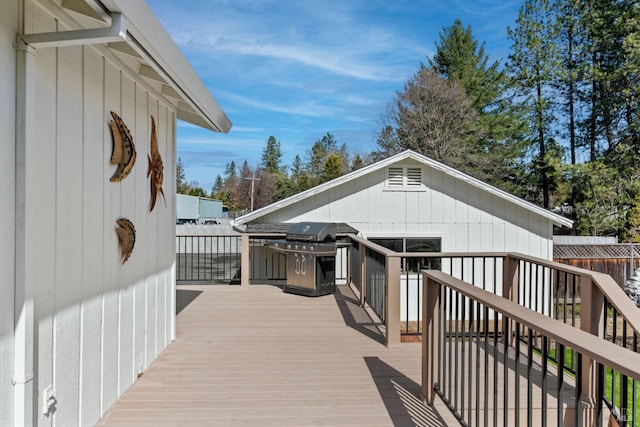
(77, 324)
(409, 202)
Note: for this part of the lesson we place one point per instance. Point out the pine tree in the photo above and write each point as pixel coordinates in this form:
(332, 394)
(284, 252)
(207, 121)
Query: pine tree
(461, 58)
(320, 152)
(181, 183)
(217, 188)
(272, 156)
(533, 61)
(357, 162)
(333, 168)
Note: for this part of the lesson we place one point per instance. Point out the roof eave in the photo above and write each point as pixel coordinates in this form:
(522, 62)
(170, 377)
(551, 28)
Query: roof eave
(148, 37)
(553, 217)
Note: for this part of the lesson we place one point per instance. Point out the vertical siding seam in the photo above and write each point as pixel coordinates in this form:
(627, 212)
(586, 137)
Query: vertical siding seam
(135, 284)
(128, 280)
(104, 241)
(104, 231)
(145, 355)
(81, 354)
(55, 234)
(119, 271)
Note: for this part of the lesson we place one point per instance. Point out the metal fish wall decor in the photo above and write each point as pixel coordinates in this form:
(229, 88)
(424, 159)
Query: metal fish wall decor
(124, 151)
(155, 169)
(126, 237)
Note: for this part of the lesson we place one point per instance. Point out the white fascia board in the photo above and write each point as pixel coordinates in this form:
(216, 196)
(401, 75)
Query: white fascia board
(554, 218)
(149, 38)
(318, 189)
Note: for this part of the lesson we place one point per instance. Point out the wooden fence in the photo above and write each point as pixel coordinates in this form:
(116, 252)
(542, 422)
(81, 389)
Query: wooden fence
(619, 261)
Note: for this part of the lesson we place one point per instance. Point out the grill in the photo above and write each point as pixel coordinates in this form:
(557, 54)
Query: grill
(310, 248)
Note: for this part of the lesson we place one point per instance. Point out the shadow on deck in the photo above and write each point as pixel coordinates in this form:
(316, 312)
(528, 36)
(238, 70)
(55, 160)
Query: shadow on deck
(259, 357)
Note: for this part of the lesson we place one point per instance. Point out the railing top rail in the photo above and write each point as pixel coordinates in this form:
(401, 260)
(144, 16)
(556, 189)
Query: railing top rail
(467, 255)
(621, 359)
(605, 284)
(619, 299)
(551, 264)
(391, 253)
(370, 244)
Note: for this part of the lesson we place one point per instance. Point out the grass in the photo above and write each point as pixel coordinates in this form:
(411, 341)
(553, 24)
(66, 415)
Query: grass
(610, 375)
(613, 382)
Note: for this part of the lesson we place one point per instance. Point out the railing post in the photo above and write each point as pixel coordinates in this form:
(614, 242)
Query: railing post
(392, 300)
(245, 261)
(592, 317)
(430, 328)
(510, 291)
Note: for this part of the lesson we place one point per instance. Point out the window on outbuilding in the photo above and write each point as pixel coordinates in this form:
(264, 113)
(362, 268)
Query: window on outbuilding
(405, 178)
(414, 244)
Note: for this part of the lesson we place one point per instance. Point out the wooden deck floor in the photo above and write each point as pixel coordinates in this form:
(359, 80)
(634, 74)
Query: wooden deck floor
(259, 357)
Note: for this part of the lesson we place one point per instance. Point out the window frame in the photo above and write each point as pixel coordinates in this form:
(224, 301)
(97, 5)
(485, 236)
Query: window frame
(412, 265)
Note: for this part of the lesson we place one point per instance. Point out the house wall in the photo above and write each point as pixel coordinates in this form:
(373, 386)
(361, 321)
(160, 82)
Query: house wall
(464, 216)
(8, 29)
(98, 323)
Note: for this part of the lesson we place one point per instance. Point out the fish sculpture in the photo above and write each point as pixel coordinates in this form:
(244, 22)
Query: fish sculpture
(155, 169)
(124, 151)
(126, 238)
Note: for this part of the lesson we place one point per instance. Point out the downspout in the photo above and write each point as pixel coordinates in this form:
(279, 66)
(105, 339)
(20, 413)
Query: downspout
(25, 348)
(23, 379)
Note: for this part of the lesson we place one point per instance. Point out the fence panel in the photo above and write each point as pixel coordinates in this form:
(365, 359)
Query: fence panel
(208, 258)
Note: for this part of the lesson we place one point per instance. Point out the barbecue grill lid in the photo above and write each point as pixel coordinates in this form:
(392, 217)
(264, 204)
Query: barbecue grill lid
(312, 231)
(282, 227)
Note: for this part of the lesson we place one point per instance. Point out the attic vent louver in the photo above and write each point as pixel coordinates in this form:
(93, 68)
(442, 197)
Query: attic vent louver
(414, 177)
(395, 177)
(404, 178)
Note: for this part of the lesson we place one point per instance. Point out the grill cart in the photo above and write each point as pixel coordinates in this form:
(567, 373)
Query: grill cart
(310, 248)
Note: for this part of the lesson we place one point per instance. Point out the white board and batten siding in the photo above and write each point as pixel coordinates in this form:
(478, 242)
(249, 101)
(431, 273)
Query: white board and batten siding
(411, 196)
(8, 29)
(99, 324)
(462, 215)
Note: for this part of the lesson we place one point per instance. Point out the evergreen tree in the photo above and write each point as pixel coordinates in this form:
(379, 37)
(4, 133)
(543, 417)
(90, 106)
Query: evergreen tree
(196, 190)
(387, 142)
(604, 200)
(296, 172)
(320, 152)
(533, 61)
(230, 193)
(333, 168)
(461, 58)
(218, 187)
(282, 186)
(613, 31)
(181, 183)
(357, 162)
(272, 156)
(230, 175)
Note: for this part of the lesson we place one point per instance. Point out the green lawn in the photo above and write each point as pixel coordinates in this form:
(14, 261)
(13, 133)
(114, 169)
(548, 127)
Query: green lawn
(609, 385)
(624, 407)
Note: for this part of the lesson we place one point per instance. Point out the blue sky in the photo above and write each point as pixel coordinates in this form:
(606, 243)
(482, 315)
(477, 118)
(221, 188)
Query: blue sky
(296, 70)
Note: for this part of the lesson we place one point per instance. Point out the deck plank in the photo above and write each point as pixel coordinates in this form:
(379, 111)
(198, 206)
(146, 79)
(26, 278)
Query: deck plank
(259, 357)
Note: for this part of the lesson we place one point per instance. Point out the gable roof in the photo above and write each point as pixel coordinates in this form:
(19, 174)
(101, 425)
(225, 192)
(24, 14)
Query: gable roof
(430, 163)
(149, 50)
